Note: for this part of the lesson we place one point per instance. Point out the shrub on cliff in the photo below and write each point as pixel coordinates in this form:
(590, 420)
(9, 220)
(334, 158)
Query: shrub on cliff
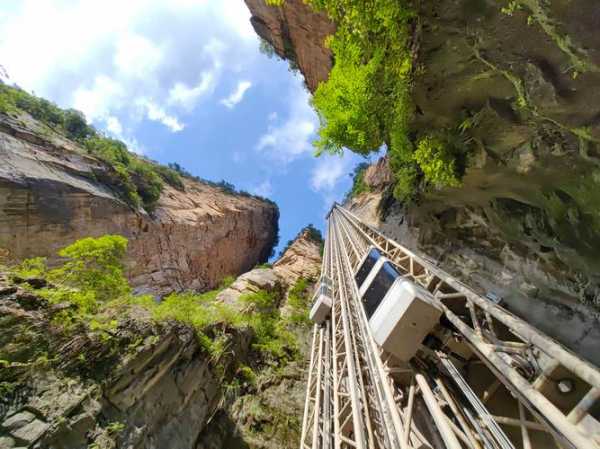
(366, 103)
(91, 274)
(358, 182)
(299, 302)
(365, 98)
(138, 181)
(437, 162)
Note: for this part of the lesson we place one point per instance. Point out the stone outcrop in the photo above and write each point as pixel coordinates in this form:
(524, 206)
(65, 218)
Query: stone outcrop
(301, 259)
(268, 415)
(51, 194)
(297, 33)
(148, 385)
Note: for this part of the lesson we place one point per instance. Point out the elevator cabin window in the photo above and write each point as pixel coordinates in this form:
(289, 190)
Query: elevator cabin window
(379, 287)
(367, 266)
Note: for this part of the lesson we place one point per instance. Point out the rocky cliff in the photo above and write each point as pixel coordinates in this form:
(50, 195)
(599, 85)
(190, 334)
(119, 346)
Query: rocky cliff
(146, 383)
(52, 193)
(514, 84)
(268, 416)
(297, 34)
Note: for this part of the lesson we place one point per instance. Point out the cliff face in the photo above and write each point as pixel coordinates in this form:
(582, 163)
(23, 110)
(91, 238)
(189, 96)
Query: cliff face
(269, 415)
(297, 33)
(51, 194)
(493, 247)
(518, 89)
(148, 385)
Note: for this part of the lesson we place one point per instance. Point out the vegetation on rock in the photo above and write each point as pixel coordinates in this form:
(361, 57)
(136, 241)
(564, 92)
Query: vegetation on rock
(298, 301)
(138, 180)
(358, 181)
(92, 280)
(313, 234)
(88, 328)
(366, 101)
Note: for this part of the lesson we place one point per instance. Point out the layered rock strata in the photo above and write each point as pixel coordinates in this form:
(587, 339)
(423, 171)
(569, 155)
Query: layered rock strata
(51, 194)
(149, 385)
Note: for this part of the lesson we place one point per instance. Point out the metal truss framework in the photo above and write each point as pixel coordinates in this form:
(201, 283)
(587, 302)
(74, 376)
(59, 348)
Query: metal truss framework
(483, 379)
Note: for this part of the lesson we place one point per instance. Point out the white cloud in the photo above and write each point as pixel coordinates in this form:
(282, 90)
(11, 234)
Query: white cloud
(327, 173)
(104, 57)
(97, 101)
(237, 95)
(264, 189)
(136, 56)
(292, 138)
(113, 125)
(187, 97)
(157, 114)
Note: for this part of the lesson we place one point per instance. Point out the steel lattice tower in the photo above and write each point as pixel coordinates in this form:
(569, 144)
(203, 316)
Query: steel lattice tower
(481, 379)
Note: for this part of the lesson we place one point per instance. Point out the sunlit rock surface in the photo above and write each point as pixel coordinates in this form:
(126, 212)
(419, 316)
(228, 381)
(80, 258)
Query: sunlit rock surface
(51, 194)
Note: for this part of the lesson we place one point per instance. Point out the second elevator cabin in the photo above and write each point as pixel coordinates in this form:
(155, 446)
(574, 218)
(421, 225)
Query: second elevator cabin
(400, 313)
(322, 302)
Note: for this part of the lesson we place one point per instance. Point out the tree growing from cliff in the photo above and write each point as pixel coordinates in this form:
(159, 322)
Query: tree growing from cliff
(358, 181)
(93, 271)
(366, 101)
(91, 274)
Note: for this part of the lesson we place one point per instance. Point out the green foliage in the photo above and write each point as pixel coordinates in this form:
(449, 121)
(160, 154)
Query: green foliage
(405, 183)
(247, 374)
(299, 302)
(137, 180)
(76, 126)
(274, 2)
(148, 182)
(92, 274)
(90, 277)
(272, 338)
(346, 104)
(366, 101)
(266, 48)
(358, 182)
(226, 282)
(511, 7)
(115, 428)
(170, 176)
(437, 162)
(265, 265)
(31, 268)
(186, 308)
(70, 121)
(313, 233)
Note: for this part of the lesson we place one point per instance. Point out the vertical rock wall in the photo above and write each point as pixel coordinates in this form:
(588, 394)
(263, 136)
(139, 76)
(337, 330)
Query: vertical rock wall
(297, 33)
(50, 195)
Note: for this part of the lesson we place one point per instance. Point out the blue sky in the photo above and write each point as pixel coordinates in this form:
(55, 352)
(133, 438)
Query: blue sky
(180, 81)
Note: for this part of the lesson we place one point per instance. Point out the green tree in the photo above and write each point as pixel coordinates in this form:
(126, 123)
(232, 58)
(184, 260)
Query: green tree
(94, 266)
(437, 162)
(75, 125)
(148, 183)
(347, 108)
